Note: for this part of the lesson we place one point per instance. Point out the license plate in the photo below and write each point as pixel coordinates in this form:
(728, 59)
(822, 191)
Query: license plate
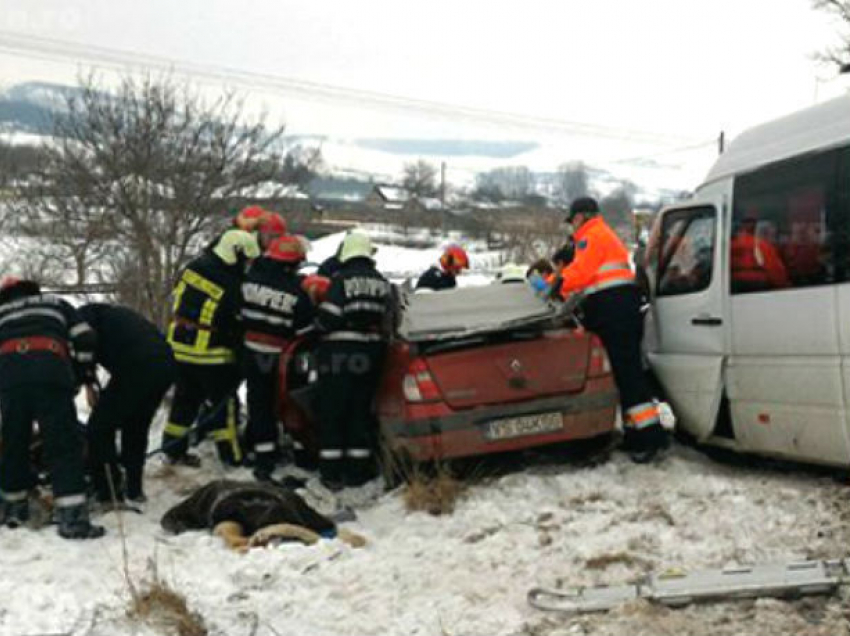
(525, 425)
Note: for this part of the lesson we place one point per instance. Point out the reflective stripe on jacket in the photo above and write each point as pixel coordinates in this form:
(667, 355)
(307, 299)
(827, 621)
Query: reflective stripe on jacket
(205, 314)
(601, 260)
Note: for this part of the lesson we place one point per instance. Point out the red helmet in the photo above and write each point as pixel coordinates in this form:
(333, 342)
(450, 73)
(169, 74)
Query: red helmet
(454, 259)
(316, 287)
(287, 249)
(271, 227)
(8, 282)
(13, 287)
(250, 218)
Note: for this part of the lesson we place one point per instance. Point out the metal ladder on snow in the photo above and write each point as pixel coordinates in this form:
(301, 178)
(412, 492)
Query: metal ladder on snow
(676, 588)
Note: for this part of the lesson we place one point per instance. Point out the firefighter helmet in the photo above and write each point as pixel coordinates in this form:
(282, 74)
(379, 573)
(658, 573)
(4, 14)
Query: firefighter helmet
(287, 249)
(250, 218)
(234, 244)
(12, 287)
(316, 287)
(271, 227)
(454, 259)
(356, 245)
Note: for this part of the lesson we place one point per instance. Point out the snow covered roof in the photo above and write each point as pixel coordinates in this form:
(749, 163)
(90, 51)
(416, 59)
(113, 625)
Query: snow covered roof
(392, 194)
(467, 311)
(818, 127)
(430, 203)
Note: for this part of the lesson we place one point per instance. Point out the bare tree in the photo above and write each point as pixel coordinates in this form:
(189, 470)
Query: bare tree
(508, 182)
(420, 178)
(571, 182)
(839, 55)
(137, 179)
(617, 209)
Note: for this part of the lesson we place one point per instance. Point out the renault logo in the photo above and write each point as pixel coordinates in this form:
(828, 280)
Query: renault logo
(516, 366)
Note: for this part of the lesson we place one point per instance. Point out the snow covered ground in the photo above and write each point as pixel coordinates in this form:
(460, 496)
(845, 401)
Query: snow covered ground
(462, 574)
(466, 573)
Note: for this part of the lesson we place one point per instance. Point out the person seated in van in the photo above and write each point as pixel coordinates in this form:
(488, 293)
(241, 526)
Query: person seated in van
(755, 262)
(453, 261)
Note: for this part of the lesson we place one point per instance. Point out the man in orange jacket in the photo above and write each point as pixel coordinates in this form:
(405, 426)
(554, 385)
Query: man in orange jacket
(601, 273)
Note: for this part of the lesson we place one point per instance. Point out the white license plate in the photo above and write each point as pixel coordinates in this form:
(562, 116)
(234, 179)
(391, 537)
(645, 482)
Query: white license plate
(525, 425)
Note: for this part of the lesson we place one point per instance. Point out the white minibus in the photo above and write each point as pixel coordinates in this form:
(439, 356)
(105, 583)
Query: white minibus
(748, 331)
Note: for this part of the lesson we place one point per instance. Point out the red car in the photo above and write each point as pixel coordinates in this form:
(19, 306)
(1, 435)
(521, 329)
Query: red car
(472, 371)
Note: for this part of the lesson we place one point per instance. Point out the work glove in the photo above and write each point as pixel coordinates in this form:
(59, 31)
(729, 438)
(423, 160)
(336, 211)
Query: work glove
(539, 285)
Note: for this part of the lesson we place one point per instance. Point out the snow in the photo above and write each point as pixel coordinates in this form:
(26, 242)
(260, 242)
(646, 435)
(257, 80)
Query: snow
(419, 250)
(463, 573)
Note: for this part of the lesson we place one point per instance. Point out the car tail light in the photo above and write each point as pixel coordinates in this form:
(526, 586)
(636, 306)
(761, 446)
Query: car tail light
(599, 363)
(418, 384)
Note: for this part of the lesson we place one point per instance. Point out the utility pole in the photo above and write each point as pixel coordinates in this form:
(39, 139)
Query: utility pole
(443, 195)
(721, 142)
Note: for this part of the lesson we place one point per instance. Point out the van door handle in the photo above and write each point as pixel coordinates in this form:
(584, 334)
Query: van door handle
(704, 320)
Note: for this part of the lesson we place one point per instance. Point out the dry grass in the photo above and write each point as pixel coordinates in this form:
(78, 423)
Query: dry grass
(156, 602)
(165, 609)
(436, 494)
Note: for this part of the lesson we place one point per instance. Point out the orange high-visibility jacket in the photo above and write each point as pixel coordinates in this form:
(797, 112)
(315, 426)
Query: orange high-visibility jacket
(601, 260)
(755, 262)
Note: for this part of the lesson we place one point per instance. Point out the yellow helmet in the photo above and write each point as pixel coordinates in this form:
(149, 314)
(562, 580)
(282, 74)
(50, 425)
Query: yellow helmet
(234, 243)
(354, 245)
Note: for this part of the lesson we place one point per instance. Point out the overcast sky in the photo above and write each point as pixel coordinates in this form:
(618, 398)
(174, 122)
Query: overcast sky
(678, 69)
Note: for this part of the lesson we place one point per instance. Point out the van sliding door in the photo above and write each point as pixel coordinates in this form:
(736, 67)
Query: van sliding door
(790, 309)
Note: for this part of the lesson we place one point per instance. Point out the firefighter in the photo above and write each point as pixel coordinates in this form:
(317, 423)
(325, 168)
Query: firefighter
(453, 260)
(46, 349)
(141, 369)
(206, 338)
(275, 309)
(350, 359)
(601, 273)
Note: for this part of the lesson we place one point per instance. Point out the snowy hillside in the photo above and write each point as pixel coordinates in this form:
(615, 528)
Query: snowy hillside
(657, 170)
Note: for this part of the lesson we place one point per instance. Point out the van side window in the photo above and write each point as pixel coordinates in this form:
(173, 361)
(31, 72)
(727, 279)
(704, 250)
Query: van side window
(686, 251)
(784, 220)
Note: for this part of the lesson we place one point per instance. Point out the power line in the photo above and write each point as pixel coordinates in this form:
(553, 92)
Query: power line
(52, 49)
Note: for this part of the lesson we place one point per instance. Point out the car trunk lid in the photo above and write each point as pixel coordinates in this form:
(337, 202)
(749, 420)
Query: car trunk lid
(536, 364)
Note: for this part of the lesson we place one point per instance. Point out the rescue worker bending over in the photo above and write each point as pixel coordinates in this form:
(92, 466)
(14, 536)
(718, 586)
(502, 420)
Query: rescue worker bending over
(206, 338)
(275, 309)
(600, 271)
(45, 348)
(141, 369)
(453, 261)
(350, 360)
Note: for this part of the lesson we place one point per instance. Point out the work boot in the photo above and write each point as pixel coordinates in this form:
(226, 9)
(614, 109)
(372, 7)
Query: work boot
(264, 465)
(359, 471)
(187, 459)
(16, 513)
(331, 474)
(74, 523)
(647, 444)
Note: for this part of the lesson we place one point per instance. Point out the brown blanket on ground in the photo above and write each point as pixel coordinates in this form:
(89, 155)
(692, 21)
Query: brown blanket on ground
(252, 505)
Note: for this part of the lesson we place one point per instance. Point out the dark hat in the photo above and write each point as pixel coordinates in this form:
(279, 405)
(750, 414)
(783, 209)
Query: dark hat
(583, 205)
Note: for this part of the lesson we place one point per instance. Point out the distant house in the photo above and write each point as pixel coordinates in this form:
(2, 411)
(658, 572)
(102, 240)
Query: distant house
(423, 205)
(387, 197)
